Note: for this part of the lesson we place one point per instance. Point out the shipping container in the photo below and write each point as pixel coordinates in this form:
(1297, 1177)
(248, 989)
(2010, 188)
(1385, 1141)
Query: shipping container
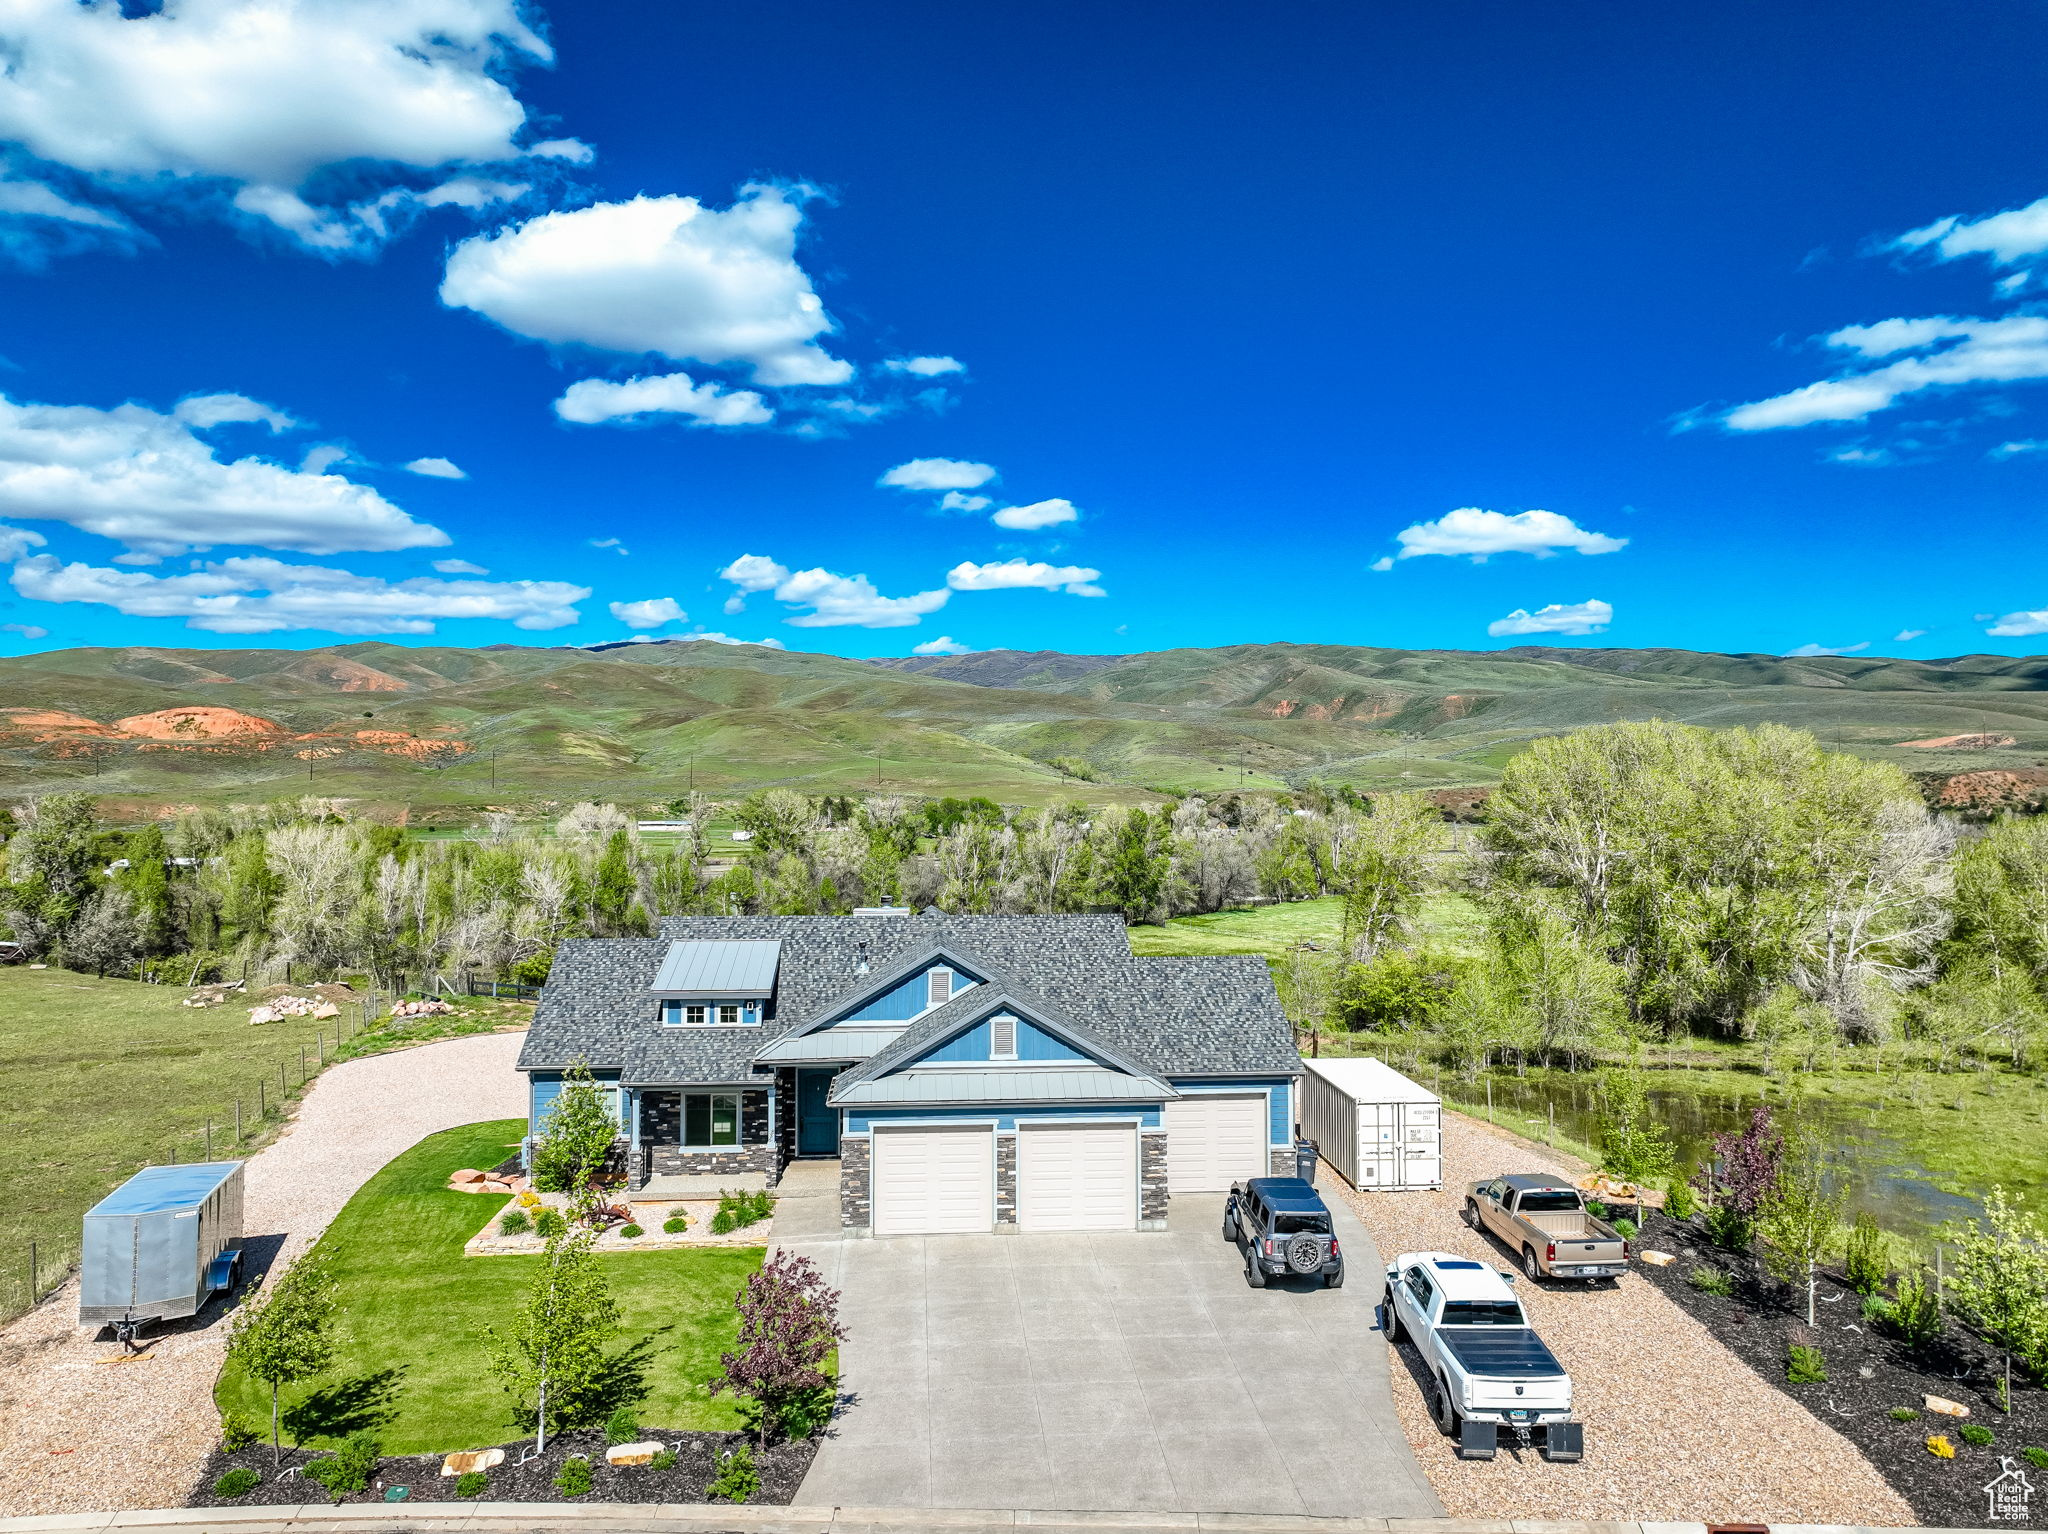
(1374, 1125)
(160, 1245)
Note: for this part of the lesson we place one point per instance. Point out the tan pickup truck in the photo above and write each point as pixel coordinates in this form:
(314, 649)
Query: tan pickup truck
(1543, 1219)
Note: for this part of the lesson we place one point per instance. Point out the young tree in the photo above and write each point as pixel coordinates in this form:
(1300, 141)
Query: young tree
(552, 1357)
(789, 1325)
(1998, 1282)
(1307, 986)
(576, 1136)
(1634, 1145)
(279, 1336)
(1799, 1220)
(1738, 1178)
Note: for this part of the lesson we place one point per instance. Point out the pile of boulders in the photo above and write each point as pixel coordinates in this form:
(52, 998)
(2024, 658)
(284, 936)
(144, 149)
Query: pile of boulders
(470, 1180)
(212, 994)
(282, 1007)
(421, 1009)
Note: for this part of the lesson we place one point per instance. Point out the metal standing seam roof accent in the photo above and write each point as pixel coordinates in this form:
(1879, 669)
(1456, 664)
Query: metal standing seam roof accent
(841, 1043)
(695, 967)
(925, 1087)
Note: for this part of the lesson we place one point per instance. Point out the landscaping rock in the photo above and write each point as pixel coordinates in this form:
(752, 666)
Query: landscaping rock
(473, 1459)
(468, 1174)
(632, 1453)
(1657, 1259)
(492, 1185)
(1943, 1408)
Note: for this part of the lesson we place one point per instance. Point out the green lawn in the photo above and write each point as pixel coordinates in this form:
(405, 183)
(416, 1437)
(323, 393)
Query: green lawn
(1272, 930)
(409, 1363)
(99, 1078)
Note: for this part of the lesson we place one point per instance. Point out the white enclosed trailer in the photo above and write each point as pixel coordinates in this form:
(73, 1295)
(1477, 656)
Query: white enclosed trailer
(161, 1245)
(1373, 1124)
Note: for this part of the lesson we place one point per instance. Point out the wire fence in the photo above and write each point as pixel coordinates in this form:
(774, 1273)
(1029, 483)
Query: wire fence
(237, 1125)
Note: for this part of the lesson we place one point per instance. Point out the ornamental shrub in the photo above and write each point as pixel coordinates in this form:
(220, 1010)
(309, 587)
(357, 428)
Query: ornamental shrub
(1804, 1366)
(472, 1483)
(1866, 1263)
(631, 1231)
(1679, 1200)
(236, 1433)
(665, 1460)
(1904, 1414)
(1913, 1314)
(1711, 1281)
(622, 1427)
(574, 1479)
(2038, 1458)
(674, 1225)
(1976, 1436)
(349, 1468)
(1626, 1229)
(238, 1482)
(548, 1224)
(514, 1223)
(737, 1479)
(1940, 1447)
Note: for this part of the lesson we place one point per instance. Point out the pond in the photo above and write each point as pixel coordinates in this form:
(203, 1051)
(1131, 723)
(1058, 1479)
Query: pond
(1878, 1171)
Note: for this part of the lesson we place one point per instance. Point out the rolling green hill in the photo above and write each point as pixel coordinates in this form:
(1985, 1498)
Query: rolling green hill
(440, 725)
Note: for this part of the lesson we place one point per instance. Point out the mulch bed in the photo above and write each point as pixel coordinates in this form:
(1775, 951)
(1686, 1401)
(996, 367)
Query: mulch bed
(1762, 1318)
(781, 1467)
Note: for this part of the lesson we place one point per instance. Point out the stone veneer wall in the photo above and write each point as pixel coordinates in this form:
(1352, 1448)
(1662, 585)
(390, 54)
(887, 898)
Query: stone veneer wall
(854, 1200)
(1006, 1177)
(785, 1118)
(661, 1134)
(1152, 1179)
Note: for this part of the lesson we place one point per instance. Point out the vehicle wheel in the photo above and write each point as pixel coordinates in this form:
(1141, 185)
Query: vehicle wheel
(1229, 1229)
(1530, 1265)
(1254, 1274)
(1472, 1214)
(1390, 1321)
(1441, 1408)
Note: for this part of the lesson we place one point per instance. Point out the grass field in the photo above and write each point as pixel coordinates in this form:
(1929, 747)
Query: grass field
(99, 1078)
(409, 1364)
(1271, 930)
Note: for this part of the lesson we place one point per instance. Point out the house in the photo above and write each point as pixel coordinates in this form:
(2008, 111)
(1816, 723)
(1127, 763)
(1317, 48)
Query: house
(968, 1073)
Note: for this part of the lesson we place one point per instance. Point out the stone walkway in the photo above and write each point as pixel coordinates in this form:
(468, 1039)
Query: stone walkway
(81, 1432)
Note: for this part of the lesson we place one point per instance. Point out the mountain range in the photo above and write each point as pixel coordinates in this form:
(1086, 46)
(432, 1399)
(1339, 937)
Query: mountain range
(644, 721)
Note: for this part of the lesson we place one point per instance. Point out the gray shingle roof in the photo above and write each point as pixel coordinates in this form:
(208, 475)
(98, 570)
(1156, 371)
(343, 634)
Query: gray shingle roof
(1172, 1017)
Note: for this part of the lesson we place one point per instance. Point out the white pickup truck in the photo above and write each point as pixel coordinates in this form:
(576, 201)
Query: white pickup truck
(1489, 1370)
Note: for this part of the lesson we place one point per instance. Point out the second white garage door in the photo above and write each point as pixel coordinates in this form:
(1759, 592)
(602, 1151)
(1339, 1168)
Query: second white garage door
(1214, 1139)
(933, 1181)
(1077, 1177)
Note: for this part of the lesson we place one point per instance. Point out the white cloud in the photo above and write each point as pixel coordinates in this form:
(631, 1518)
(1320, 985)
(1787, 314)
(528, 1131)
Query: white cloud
(472, 193)
(953, 500)
(754, 572)
(263, 596)
(1470, 533)
(2020, 625)
(35, 199)
(1591, 617)
(1871, 457)
(17, 541)
(459, 567)
(925, 367)
(150, 481)
(614, 544)
(435, 468)
(945, 644)
(937, 474)
(649, 613)
(1808, 651)
(594, 400)
(26, 630)
(261, 94)
(1038, 514)
(1903, 635)
(710, 637)
(1019, 574)
(322, 457)
(572, 150)
(2018, 449)
(2014, 237)
(658, 274)
(1940, 353)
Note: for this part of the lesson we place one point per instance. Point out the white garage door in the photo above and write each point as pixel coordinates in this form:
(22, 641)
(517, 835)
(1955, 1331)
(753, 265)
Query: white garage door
(1077, 1177)
(933, 1181)
(1214, 1139)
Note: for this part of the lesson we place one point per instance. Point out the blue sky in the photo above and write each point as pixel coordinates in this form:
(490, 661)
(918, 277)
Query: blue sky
(1052, 326)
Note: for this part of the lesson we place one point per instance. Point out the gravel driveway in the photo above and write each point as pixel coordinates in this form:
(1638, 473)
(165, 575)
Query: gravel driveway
(80, 1432)
(1677, 1427)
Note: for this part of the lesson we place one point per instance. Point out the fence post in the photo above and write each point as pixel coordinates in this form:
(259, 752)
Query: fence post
(302, 1065)
(238, 1121)
(209, 1139)
(262, 1108)
(35, 1277)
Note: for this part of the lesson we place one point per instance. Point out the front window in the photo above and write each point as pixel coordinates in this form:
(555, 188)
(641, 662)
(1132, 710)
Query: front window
(1482, 1313)
(711, 1119)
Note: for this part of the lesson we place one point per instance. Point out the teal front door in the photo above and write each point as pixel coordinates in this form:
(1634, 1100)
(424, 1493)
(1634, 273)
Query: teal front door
(817, 1126)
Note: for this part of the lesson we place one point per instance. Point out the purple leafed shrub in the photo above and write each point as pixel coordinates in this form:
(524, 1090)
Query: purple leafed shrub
(789, 1325)
(1739, 1176)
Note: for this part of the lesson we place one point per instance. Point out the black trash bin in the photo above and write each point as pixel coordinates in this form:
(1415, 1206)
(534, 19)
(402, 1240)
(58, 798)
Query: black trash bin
(1305, 1158)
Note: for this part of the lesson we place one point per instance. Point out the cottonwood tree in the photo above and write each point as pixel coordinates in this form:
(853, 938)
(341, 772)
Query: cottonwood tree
(319, 878)
(1998, 1282)
(1385, 868)
(1799, 1221)
(789, 1325)
(104, 935)
(551, 1357)
(279, 1335)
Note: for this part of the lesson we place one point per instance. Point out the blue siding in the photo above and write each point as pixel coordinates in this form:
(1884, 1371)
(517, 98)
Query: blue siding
(906, 1000)
(1280, 1122)
(1147, 1114)
(543, 1087)
(973, 1045)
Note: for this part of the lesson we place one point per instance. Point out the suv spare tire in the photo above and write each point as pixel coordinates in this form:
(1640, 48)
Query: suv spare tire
(1305, 1254)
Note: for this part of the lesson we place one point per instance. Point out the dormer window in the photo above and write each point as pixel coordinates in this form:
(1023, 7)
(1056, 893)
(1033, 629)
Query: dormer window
(938, 987)
(711, 1014)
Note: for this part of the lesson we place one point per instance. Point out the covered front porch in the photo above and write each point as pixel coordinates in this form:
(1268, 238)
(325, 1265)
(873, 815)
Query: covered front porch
(687, 1141)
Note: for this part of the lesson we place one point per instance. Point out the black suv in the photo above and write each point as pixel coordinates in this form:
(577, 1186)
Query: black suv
(1283, 1227)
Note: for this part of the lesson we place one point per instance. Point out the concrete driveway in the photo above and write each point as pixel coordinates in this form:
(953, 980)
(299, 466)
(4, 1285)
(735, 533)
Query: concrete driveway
(1126, 1372)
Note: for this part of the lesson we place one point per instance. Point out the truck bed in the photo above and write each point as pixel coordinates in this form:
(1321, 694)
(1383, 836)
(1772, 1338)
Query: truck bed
(1500, 1352)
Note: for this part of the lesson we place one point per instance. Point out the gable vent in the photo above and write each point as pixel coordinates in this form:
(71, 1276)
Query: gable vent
(938, 986)
(1002, 1037)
